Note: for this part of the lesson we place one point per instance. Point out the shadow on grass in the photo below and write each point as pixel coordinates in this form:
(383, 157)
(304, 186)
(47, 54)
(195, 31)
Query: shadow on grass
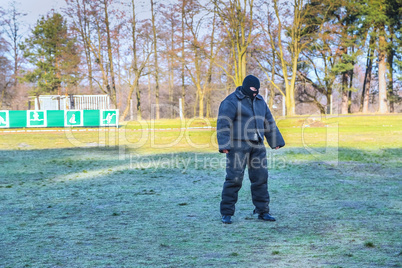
(89, 208)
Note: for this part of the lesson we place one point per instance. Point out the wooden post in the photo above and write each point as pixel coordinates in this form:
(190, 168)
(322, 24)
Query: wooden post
(283, 106)
(181, 108)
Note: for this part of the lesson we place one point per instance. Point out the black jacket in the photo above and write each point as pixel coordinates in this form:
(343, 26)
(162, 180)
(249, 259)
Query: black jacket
(240, 118)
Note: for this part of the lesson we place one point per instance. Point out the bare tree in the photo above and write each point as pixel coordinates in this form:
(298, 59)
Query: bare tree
(382, 84)
(92, 20)
(182, 58)
(236, 18)
(109, 53)
(212, 55)
(170, 36)
(367, 77)
(78, 11)
(265, 52)
(5, 76)
(201, 59)
(156, 65)
(299, 36)
(136, 68)
(14, 36)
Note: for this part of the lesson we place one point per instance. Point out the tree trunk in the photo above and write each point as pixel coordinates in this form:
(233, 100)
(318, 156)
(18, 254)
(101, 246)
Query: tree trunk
(138, 95)
(37, 99)
(11, 27)
(271, 87)
(83, 24)
(183, 87)
(345, 91)
(209, 73)
(243, 70)
(201, 104)
(156, 62)
(367, 78)
(328, 97)
(382, 85)
(88, 56)
(171, 73)
(271, 97)
(137, 71)
(110, 56)
(291, 108)
(2, 99)
(15, 47)
(149, 91)
(208, 111)
(351, 73)
(97, 51)
(350, 93)
(295, 49)
(130, 93)
(195, 104)
(345, 94)
(390, 84)
(118, 91)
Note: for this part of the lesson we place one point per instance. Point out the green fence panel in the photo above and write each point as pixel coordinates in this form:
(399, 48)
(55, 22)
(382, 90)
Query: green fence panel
(59, 118)
(109, 117)
(18, 118)
(73, 118)
(91, 118)
(4, 119)
(55, 118)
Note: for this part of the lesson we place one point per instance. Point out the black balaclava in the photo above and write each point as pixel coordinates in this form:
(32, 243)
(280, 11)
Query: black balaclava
(250, 81)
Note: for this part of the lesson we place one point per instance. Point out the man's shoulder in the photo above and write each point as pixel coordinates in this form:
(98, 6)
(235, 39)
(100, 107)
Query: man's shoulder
(260, 100)
(231, 98)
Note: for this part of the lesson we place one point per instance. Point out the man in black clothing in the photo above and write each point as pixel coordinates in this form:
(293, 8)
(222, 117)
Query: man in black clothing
(244, 120)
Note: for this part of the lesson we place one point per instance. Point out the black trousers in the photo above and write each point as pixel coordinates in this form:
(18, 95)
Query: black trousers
(253, 155)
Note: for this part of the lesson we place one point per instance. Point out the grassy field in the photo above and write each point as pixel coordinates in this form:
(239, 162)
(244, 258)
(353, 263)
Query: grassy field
(74, 199)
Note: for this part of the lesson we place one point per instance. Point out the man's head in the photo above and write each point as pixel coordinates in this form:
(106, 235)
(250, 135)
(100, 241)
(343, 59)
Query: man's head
(251, 86)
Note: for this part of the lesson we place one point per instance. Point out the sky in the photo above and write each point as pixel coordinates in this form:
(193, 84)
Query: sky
(34, 8)
(37, 8)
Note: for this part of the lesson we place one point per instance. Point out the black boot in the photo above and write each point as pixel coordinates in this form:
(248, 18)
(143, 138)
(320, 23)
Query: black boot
(226, 219)
(266, 217)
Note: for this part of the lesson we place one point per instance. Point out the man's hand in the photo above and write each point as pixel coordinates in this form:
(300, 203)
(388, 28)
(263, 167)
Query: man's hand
(225, 151)
(277, 147)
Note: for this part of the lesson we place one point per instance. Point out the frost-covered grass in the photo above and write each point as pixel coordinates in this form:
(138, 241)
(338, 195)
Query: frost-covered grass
(86, 208)
(67, 201)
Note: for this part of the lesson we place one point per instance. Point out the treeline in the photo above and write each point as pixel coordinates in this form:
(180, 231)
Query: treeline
(313, 55)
